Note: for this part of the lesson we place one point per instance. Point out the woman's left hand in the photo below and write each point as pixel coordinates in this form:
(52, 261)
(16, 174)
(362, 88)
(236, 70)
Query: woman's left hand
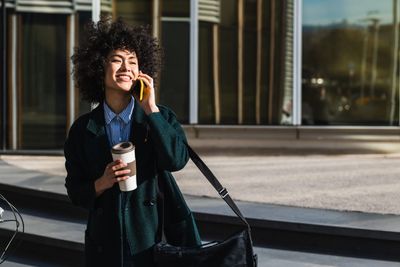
(148, 102)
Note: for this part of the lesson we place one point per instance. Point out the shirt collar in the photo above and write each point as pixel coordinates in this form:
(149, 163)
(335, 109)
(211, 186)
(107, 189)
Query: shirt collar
(125, 115)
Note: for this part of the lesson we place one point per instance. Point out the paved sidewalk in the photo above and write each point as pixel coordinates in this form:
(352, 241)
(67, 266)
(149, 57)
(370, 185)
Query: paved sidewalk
(366, 183)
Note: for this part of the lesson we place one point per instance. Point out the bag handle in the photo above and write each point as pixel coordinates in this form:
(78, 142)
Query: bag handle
(222, 191)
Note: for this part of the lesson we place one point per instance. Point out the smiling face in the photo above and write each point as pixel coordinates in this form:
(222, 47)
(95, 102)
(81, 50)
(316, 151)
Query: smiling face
(121, 70)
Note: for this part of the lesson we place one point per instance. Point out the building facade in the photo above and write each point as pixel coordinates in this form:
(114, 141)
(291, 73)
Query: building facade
(261, 63)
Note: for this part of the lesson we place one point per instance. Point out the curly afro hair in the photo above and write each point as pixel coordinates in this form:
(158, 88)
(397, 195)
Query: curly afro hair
(101, 38)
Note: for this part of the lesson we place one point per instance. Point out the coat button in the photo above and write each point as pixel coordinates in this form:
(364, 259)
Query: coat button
(149, 202)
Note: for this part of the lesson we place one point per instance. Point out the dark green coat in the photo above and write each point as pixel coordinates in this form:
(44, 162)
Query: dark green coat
(160, 149)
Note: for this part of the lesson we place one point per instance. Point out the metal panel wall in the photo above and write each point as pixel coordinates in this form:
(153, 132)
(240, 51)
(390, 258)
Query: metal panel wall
(209, 10)
(56, 6)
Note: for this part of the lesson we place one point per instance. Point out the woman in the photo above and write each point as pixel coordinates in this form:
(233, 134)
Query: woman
(123, 227)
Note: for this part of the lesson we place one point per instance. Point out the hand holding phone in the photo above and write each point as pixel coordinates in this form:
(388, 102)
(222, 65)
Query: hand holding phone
(138, 89)
(143, 92)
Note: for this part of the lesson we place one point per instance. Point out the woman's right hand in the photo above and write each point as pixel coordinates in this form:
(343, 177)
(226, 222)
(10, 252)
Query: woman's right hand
(113, 173)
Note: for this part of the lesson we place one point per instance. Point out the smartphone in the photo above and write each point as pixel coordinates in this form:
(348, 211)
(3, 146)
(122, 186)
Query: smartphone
(138, 89)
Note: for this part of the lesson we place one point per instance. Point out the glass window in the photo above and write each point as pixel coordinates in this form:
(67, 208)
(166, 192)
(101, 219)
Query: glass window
(206, 95)
(176, 8)
(137, 12)
(350, 67)
(243, 54)
(249, 62)
(84, 18)
(2, 63)
(174, 90)
(5, 81)
(43, 88)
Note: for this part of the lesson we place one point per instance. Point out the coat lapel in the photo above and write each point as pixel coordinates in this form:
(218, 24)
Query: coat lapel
(139, 121)
(139, 135)
(98, 146)
(96, 123)
(138, 114)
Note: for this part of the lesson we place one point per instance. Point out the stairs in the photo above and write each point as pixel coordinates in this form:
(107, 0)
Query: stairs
(54, 228)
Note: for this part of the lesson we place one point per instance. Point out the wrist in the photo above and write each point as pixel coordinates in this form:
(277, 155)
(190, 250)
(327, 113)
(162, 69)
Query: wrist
(98, 187)
(151, 109)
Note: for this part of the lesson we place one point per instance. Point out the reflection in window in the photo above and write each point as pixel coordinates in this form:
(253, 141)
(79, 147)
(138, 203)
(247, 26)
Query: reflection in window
(176, 8)
(2, 108)
(84, 18)
(349, 71)
(241, 64)
(174, 90)
(43, 92)
(136, 12)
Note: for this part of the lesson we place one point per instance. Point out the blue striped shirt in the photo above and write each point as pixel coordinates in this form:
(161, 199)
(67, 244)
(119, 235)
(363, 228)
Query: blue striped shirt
(118, 126)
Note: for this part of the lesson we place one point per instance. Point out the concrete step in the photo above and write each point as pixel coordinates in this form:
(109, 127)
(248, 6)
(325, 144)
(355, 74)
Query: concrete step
(351, 234)
(52, 228)
(267, 257)
(53, 244)
(53, 221)
(47, 240)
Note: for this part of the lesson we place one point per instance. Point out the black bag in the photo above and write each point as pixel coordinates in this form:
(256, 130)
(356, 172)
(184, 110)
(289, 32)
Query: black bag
(235, 251)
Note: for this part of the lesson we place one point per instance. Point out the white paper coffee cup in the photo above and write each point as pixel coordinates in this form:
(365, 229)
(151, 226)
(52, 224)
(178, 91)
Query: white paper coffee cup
(125, 151)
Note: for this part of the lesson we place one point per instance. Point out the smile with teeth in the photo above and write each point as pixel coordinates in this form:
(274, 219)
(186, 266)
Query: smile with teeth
(123, 78)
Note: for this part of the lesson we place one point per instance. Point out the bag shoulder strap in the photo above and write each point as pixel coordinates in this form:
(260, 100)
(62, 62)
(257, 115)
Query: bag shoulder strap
(215, 183)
